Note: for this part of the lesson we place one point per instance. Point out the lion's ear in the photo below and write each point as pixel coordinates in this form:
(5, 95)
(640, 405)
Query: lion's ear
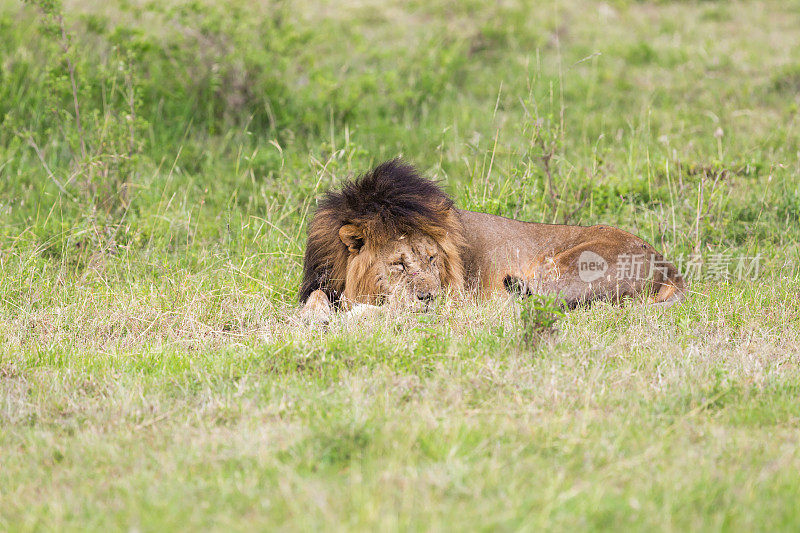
(352, 237)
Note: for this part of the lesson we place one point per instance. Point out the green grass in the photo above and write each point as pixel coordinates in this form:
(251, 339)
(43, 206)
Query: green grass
(153, 374)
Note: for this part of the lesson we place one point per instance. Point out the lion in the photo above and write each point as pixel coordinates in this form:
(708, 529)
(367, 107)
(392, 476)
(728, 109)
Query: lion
(393, 237)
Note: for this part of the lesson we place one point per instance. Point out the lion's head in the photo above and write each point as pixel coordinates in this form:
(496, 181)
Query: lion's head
(389, 236)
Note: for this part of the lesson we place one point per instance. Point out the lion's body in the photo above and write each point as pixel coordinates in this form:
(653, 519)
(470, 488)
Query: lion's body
(393, 236)
(545, 258)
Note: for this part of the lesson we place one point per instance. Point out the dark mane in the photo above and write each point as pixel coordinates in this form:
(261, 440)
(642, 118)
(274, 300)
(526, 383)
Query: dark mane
(391, 200)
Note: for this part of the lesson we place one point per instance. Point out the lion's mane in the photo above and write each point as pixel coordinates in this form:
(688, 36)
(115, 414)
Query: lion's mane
(390, 201)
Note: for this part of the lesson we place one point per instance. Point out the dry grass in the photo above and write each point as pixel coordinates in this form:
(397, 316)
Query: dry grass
(153, 375)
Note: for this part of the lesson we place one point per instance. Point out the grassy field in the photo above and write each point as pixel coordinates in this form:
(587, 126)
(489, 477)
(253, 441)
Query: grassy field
(158, 166)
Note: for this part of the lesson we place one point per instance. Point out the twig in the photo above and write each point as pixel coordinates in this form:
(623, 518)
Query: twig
(155, 420)
(583, 197)
(46, 167)
(547, 156)
(71, 69)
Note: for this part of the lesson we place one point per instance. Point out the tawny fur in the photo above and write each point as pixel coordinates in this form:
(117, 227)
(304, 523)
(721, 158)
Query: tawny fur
(381, 206)
(392, 233)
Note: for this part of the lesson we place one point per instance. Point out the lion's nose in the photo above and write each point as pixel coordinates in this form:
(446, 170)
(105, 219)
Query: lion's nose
(425, 296)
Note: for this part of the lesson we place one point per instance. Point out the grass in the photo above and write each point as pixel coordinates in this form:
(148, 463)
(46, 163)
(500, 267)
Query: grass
(153, 375)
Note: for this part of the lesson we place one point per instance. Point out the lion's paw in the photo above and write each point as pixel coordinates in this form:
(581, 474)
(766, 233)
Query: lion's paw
(317, 309)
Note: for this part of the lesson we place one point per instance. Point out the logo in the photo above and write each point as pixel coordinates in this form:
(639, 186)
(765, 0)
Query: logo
(591, 266)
